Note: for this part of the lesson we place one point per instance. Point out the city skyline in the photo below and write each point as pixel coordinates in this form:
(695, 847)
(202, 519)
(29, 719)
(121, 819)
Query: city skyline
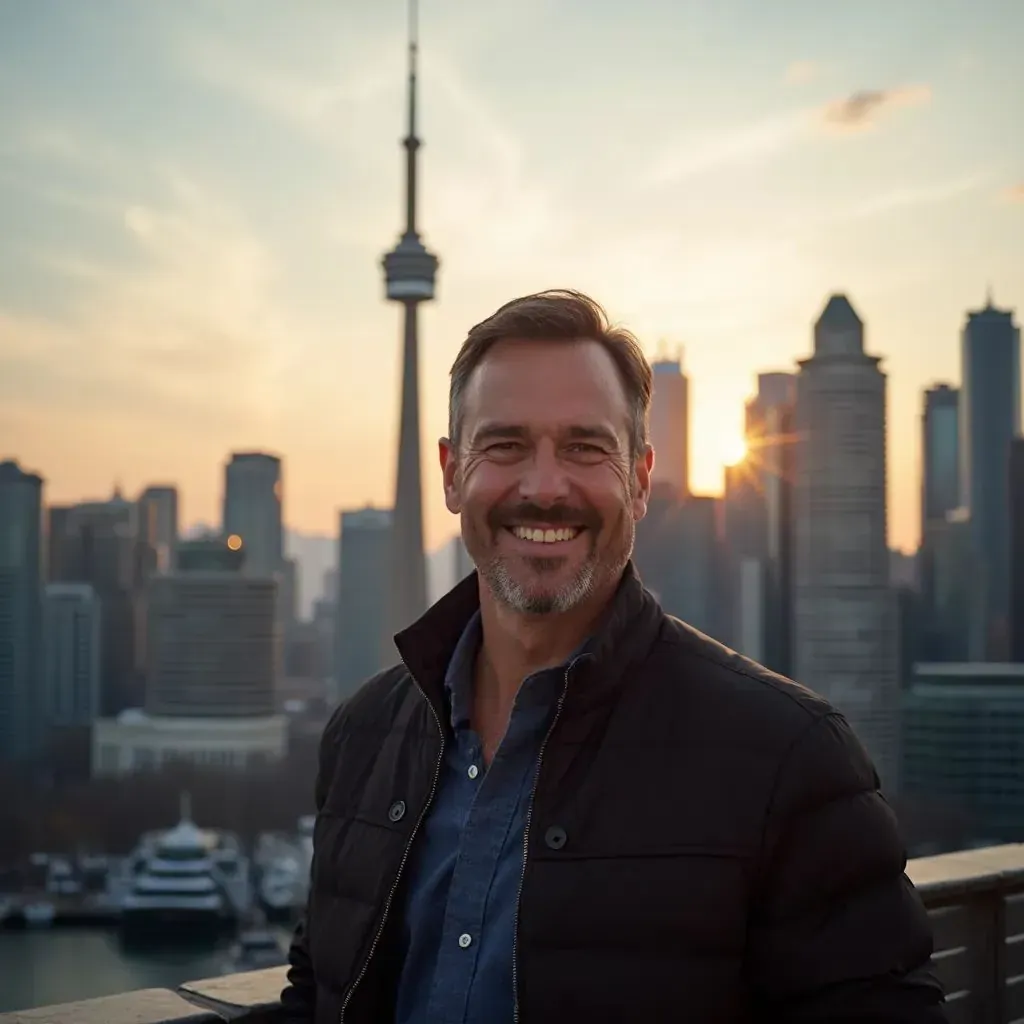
(183, 284)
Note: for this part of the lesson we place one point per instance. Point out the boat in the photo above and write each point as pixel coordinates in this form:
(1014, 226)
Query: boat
(185, 880)
(38, 913)
(257, 947)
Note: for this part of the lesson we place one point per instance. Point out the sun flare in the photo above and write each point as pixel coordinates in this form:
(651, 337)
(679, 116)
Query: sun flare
(734, 450)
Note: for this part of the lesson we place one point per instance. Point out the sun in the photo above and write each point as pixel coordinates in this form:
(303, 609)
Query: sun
(734, 450)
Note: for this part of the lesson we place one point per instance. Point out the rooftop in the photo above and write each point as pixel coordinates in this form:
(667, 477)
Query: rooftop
(975, 899)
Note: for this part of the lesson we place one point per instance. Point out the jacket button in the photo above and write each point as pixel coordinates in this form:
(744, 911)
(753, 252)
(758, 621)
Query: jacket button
(397, 811)
(555, 837)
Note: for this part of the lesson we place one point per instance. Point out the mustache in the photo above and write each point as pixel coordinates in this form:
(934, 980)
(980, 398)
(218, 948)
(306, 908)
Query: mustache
(553, 515)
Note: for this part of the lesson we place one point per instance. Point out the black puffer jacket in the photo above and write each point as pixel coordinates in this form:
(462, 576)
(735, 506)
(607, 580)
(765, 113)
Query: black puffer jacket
(707, 843)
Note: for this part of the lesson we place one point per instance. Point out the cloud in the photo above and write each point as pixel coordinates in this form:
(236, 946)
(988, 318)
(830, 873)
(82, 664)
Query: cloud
(919, 195)
(1015, 193)
(735, 146)
(800, 72)
(187, 324)
(860, 110)
(323, 106)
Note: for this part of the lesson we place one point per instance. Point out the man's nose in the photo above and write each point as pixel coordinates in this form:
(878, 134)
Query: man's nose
(545, 481)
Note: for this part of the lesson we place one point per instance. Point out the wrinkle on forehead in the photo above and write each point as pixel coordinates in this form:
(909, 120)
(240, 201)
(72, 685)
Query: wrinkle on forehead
(547, 388)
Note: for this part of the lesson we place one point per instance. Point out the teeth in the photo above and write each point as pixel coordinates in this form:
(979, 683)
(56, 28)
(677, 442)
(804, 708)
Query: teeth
(548, 536)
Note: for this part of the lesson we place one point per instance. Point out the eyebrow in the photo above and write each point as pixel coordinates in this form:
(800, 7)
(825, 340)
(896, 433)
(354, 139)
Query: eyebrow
(578, 432)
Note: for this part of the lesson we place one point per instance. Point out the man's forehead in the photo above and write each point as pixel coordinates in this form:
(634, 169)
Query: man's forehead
(520, 370)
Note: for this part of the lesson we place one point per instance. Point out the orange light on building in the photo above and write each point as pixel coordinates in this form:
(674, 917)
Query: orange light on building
(234, 542)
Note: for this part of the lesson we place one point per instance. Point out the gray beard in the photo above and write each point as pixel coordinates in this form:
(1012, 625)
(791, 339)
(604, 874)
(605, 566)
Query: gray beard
(519, 599)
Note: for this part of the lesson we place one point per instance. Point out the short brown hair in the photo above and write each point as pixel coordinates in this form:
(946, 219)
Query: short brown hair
(560, 314)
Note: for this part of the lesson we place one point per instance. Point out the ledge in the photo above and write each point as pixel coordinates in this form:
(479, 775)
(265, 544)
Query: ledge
(968, 876)
(145, 1006)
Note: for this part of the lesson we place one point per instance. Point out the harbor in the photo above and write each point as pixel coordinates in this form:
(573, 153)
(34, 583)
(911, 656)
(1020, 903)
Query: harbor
(188, 900)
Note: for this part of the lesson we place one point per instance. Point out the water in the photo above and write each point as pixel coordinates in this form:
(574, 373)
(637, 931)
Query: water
(39, 967)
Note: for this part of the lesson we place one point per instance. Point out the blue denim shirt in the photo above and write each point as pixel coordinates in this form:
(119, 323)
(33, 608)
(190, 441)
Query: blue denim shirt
(464, 875)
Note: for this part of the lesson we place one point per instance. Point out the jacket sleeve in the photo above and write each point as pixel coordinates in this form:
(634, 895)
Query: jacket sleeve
(298, 998)
(837, 931)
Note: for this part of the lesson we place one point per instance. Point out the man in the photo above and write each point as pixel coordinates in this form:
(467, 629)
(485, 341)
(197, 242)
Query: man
(565, 805)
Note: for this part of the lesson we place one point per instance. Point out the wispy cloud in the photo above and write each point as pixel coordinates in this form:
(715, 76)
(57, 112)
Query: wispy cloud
(1015, 193)
(188, 324)
(800, 72)
(735, 146)
(862, 109)
(325, 106)
(908, 196)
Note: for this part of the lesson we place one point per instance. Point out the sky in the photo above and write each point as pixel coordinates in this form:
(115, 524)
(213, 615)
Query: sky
(194, 200)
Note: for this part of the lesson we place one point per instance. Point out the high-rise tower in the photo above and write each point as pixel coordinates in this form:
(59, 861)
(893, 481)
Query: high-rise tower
(990, 405)
(409, 273)
(845, 642)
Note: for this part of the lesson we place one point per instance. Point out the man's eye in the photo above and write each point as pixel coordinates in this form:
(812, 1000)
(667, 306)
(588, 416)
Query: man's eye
(586, 449)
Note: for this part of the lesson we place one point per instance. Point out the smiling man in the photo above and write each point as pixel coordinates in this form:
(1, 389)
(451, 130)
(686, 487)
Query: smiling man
(565, 804)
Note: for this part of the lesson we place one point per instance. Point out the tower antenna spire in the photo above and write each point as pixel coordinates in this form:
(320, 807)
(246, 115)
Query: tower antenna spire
(412, 142)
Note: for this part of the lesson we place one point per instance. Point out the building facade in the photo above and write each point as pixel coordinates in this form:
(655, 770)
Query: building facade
(940, 454)
(97, 543)
(990, 409)
(758, 526)
(157, 509)
(964, 744)
(362, 635)
(253, 509)
(670, 427)
(71, 659)
(845, 622)
(22, 696)
(213, 646)
(1017, 550)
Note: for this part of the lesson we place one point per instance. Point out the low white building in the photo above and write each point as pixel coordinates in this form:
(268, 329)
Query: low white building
(135, 741)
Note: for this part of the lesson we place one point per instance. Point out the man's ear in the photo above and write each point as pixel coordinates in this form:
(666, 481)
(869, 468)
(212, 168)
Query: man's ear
(643, 467)
(449, 475)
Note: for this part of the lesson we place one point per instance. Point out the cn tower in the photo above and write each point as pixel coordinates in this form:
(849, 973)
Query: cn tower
(409, 273)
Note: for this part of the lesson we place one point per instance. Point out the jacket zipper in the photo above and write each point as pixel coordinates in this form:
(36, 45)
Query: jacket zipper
(526, 835)
(401, 864)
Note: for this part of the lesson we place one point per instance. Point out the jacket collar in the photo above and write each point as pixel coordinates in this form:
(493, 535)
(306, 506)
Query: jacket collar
(625, 634)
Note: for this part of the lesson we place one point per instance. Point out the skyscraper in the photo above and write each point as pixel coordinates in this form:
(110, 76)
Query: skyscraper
(1017, 550)
(253, 494)
(409, 273)
(97, 543)
(213, 649)
(71, 659)
(989, 419)
(158, 523)
(362, 631)
(759, 527)
(845, 639)
(940, 495)
(940, 454)
(670, 427)
(22, 696)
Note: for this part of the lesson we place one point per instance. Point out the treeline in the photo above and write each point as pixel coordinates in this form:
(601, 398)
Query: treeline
(109, 815)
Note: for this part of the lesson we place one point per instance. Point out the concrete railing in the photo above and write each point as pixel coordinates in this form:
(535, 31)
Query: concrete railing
(975, 899)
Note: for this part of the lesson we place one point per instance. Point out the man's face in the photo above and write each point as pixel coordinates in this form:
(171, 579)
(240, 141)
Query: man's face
(544, 478)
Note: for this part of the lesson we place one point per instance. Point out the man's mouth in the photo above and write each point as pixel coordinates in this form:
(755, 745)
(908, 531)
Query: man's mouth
(545, 535)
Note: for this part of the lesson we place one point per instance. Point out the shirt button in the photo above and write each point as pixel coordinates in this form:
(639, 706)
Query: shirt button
(465, 940)
(397, 810)
(473, 771)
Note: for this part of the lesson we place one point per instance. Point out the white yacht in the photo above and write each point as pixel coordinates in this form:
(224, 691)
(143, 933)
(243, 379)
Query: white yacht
(194, 878)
